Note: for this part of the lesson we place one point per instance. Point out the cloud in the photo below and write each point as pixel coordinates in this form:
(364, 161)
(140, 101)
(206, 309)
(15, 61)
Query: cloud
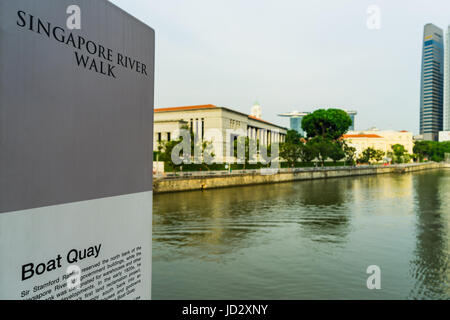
(290, 55)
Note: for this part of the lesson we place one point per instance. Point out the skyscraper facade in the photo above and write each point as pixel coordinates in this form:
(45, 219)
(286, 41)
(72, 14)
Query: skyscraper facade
(432, 83)
(447, 82)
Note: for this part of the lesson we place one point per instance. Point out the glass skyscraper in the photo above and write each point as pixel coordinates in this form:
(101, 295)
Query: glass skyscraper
(432, 83)
(447, 82)
(352, 115)
(296, 124)
(295, 119)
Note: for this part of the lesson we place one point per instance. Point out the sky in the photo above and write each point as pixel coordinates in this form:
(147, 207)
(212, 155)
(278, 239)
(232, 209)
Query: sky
(292, 55)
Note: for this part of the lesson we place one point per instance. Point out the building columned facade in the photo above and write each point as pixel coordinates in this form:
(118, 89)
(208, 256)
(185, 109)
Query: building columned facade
(218, 125)
(296, 117)
(379, 140)
(432, 83)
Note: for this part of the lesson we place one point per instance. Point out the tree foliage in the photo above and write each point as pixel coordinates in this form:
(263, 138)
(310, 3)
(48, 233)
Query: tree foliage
(336, 152)
(165, 149)
(165, 152)
(290, 152)
(307, 152)
(431, 150)
(291, 149)
(379, 155)
(322, 148)
(292, 136)
(350, 153)
(328, 124)
(399, 152)
(370, 154)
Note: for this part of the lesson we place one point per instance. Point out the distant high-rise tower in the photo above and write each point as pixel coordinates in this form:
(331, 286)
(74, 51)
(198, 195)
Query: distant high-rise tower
(432, 83)
(447, 82)
(295, 118)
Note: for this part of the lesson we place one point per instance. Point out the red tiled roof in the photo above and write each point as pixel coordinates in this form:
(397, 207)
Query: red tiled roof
(207, 106)
(204, 106)
(346, 136)
(258, 119)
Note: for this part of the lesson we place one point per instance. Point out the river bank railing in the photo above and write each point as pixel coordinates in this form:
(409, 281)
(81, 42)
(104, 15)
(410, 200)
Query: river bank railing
(269, 171)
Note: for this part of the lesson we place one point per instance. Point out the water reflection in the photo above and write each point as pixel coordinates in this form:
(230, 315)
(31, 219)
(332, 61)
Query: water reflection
(225, 219)
(430, 266)
(217, 221)
(320, 209)
(305, 240)
(318, 193)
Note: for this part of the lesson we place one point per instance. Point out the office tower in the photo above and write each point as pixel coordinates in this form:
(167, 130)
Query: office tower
(352, 115)
(432, 83)
(295, 120)
(447, 82)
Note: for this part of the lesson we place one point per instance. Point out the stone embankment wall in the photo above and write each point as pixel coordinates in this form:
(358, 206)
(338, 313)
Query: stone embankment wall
(201, 181)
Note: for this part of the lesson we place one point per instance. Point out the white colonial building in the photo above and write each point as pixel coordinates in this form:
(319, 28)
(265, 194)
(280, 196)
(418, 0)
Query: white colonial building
(218, 125)
(379, 139)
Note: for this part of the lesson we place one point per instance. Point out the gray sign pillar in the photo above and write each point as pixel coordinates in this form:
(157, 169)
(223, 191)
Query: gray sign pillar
(76, 128)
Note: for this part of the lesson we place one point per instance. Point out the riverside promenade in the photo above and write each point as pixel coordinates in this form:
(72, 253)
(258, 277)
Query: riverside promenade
(190, 181)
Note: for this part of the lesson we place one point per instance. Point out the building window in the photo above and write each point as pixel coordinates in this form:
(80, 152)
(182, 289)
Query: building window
(168, 136)
(159, 136)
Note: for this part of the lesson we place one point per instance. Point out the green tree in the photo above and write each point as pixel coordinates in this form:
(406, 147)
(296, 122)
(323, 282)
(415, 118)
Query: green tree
(371, 154)
(439, 149)
(367, 155)
(399, 152)
(336, 152)
(422, 149)
(291, 148)
(290, 152)
(307, 152)
(431, 150)
(407, 157)
(292, 136)
(328, 124)
(379, 155)
(322, 148)
(165, 153)
(350, 153)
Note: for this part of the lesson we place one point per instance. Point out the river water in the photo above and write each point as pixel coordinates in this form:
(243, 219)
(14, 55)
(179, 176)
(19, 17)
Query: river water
(306, 240)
